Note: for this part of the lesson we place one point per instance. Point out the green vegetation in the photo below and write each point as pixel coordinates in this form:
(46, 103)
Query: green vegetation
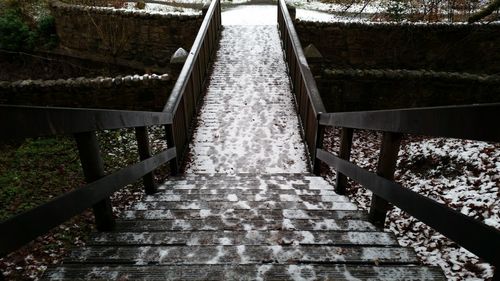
(26, 25)
(15, 35)
(396, 9)
(46, 32)
(35, 171)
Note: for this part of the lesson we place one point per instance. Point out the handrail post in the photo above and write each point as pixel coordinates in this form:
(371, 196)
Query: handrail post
(144, 149)
(344, 153)
(320, 134)
(385, 168)
(169, 134)
(93, 169)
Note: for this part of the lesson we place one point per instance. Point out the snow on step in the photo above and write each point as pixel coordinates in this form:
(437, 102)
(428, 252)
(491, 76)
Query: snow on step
(339, 272)
(242, 212)
(241, 254)
(246, 205)
(253, 237)
(237, 223)
(253, 126)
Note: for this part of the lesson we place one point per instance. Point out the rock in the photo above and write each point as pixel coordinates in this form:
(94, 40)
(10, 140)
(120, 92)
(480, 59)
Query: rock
(311, 52)
(179, 56)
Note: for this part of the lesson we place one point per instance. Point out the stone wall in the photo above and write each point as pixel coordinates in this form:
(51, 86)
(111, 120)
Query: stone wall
(134, 92)
(353, 90)
(145, 38)
(441, 47)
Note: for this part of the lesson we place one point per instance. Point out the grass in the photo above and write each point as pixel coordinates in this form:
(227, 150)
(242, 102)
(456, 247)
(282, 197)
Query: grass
(36, 170)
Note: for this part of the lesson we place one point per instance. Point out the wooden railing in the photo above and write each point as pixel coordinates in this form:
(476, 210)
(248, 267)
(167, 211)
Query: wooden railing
(186, 94)
(308, 101)
(476, 122)
(18, 122)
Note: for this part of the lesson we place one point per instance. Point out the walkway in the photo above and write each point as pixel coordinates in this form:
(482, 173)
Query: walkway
(247, 208)
(248, 122)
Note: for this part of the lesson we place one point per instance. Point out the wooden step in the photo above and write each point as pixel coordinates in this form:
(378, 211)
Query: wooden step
(217, 223)
(234, 238)
(241, 254)
(270, 272)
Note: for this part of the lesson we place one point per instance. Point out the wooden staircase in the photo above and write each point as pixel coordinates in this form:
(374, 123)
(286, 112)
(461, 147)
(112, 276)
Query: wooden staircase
(244, 227)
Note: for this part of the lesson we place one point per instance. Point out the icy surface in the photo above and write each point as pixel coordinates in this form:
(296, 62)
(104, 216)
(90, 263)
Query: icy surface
(248, 122)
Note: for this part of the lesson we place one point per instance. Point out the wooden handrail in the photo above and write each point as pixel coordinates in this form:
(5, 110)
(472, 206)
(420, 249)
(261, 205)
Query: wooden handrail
(21, 229)
(188, 68)
(183, 102)
(458, 227)
(475, 122)
(303, 66)
(308, 101)
(33, 121)
(36, 121)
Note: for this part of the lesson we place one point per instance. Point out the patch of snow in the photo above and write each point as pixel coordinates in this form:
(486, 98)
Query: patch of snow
(295, 272)
(216, 258)
(250, 15)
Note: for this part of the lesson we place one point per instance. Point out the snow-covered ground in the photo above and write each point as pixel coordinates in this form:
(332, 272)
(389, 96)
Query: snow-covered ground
(250, 15)
(154, 8)
(464, 175)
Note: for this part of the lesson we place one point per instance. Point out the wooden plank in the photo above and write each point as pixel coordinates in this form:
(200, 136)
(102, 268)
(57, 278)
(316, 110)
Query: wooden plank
(270, 272)
(187, 70)
(35, 121)
(386, 167)
(458, 227)
(228, 238)
(245, 205)
(144, 149)
(344, 153)
(475, 122)
(93, 169)
(305, 73)
(232, 214)
(312, 199)
(228, 185)
(241, 254)
(217, 223)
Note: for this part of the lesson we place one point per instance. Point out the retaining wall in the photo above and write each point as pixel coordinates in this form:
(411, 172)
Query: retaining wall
(134, 36)
(134, 92)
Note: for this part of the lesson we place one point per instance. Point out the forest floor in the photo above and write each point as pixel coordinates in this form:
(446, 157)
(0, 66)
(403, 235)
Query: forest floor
(462, 174)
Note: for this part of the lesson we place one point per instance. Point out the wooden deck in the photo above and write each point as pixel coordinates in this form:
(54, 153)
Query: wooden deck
(244, 227)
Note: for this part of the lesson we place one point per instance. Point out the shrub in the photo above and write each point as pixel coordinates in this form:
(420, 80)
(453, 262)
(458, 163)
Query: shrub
(396, 9)
(15, 34)
(46, 31)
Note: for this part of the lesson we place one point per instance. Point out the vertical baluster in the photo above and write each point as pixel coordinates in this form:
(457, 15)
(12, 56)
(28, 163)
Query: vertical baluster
(344, 153)
(385, 168)
(169, 134)
(320, 134)
(93, 169)
(141, 135)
